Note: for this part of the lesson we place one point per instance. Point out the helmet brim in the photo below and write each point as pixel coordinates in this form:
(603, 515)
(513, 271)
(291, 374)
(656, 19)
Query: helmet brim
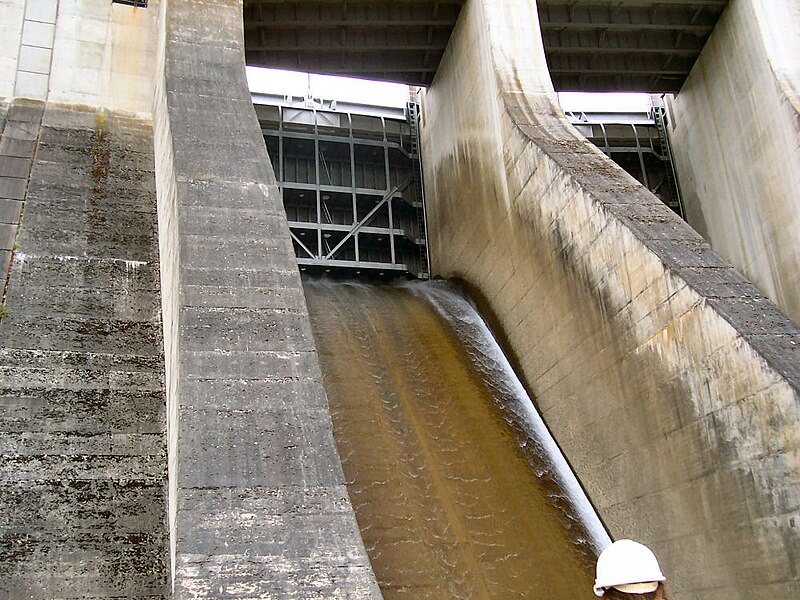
(649, 586)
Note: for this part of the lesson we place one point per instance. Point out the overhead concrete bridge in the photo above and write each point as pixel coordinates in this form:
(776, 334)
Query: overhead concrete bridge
(165, 429)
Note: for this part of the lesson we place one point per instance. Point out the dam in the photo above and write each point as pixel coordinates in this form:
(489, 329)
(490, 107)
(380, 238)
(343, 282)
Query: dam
(175, 417)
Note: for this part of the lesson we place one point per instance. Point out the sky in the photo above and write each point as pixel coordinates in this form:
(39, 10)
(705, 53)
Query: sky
(329, 87)
(604, 102)
(381, 93)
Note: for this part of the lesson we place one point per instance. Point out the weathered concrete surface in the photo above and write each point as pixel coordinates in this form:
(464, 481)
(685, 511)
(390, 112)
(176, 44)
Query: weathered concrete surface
(258, 507)
(104, 55)
(12, 13)
(736, 136)
(669, 381)
(82, 427)
(19, 124)
(258, 504)
(89, 52)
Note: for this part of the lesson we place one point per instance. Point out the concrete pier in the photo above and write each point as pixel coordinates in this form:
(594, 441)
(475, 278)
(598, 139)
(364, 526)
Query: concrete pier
(257, 501)
(82, 426)
(736, 137)
(668, 380)
(202, 466)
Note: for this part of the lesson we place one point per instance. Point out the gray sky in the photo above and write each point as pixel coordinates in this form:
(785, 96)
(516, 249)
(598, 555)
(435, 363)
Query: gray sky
(379, 93)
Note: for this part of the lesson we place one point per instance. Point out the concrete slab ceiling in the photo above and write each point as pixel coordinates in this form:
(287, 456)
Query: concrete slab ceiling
(591, 45)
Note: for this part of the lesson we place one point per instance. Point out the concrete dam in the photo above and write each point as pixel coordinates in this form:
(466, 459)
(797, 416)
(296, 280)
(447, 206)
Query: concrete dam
(174, 397)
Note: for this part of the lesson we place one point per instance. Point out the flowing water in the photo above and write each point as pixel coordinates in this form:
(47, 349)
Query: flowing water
(458, 489)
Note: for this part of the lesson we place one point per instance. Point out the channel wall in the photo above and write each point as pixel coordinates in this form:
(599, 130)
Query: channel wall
(257, 500)
(82, 424)
(735, 131)
(83, 459)
(669, 381)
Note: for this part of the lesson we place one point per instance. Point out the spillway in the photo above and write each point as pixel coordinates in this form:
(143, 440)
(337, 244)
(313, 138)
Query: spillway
(458, 489)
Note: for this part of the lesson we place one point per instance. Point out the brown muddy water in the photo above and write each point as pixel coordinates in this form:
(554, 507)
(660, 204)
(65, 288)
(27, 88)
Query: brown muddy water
(458, 490)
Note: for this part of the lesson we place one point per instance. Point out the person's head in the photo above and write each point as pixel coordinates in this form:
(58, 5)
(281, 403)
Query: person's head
(627, 570)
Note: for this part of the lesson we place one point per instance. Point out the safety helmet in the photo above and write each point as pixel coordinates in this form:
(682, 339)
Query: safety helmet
(626, 562)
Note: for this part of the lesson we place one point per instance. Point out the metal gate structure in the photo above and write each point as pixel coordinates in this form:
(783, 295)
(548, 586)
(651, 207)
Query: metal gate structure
(351, 183)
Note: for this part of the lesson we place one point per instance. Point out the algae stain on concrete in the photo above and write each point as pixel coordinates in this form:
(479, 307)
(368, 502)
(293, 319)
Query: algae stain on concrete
(101, 160)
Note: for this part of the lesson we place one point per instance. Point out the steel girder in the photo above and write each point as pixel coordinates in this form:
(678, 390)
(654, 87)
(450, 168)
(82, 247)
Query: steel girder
(392, 41)
(637, 45)
(643, 45)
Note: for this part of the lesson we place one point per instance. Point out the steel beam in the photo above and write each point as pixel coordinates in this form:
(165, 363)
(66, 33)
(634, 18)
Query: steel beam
(614, 4)
(404, 40)
(377, 266)
(367, 218)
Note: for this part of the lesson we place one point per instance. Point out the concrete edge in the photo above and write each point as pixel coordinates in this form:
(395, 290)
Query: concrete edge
(682, 251)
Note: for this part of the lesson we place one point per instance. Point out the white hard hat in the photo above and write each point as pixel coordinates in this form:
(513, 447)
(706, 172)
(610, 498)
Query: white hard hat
(627, 562)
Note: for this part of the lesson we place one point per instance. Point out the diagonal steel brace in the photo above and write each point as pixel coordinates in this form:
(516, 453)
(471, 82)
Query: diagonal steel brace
(363, 222)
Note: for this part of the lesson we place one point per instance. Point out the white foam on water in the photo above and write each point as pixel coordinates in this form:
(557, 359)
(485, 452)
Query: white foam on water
(488, 358)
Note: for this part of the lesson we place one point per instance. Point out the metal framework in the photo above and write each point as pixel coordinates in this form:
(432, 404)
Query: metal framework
(591, 45)
(638, 143)
(633, 45)
(351, 184)
(392, 41)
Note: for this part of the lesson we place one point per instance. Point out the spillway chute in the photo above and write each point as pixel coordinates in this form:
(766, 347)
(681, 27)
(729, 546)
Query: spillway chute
(458, 488)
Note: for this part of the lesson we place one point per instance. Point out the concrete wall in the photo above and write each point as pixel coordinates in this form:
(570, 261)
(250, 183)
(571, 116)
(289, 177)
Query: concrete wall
(242, 493)
(74, 53)
(105, 55)
(258, 504)
(85, 52)
(12, 13)
(736, 136)
(28, 56)
(669, 381)
(82, 426)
